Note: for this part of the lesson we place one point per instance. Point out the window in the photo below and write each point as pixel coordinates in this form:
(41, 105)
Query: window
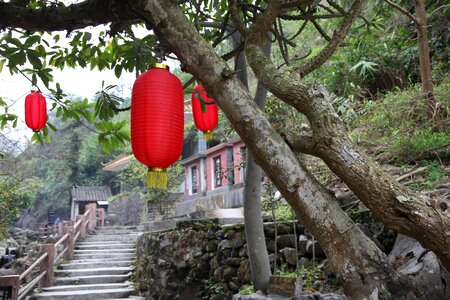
(242, 163)
(217, 171)
(194, 181)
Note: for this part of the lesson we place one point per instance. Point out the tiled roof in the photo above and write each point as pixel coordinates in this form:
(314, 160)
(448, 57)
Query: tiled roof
(90, 193)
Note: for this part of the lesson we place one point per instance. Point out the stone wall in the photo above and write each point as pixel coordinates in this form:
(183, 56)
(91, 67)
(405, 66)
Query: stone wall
(200, 259)
(129, 209)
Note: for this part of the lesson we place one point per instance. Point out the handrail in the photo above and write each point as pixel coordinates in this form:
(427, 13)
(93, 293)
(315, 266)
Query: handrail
(61, 254)
(76, 236)
(24, 291)
(34, 265)
(77, 224)
(61, 240)
(49, 252)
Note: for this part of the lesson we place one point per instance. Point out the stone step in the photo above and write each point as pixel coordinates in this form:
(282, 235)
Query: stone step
(123, 256)
(103, 251)
(86, 294)
(115, 232)
(106, 228)
(100, 263)
(96, 243)
(116, 238)
(100, 286)
(93, 271)
(105, 246)
(100, 259)
(95, 279)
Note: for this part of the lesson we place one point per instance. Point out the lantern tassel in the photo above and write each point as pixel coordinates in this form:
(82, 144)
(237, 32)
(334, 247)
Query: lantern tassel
(157, 178)
(207, 135)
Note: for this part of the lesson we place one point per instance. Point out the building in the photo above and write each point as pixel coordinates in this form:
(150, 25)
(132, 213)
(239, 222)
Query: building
(82, 195)
(214, 178)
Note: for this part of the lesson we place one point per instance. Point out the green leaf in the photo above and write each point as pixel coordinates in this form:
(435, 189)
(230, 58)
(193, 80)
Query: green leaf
(34, 60)
(2, 62)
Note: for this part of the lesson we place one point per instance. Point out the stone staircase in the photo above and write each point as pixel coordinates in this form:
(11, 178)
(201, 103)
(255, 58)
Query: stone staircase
(101, 268)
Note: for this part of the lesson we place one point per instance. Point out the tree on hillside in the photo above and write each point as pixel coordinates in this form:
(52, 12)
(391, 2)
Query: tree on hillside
(420, 20)
(362, 268)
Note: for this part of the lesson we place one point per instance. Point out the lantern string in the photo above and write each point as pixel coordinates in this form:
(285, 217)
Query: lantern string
(32, 83)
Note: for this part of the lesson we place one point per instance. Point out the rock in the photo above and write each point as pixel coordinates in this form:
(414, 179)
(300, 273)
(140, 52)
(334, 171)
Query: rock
(290, 255)
(218, 274)
(303, 262)
(233, 261)
(309, 248)
(287, 240)
(233, 286)
(229, 273)
(302, 243)
(239, 239)
(6, 272)
(244, 273)
(225, 244)
(243, 251)
(211, 246)
(271, 246)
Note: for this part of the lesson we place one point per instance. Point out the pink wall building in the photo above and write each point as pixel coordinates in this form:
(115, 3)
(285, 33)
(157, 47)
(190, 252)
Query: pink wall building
(215, 170)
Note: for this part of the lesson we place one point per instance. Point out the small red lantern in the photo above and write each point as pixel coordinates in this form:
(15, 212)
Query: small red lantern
(35, 111)
(157, 122)
(206, 117)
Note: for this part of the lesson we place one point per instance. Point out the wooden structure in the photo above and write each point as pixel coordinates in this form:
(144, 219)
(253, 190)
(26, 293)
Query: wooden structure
(84, 195)
(51, 254)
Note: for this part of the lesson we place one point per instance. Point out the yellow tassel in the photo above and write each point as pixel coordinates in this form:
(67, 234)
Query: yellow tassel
(207, 135)
(157, 178)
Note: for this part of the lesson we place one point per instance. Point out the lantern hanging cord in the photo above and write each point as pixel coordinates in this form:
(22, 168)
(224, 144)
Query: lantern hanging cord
(32, 83)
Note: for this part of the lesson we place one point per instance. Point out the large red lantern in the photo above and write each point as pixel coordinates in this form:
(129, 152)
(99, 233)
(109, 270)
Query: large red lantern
(35, 111)
(157, 122)
(206, 114)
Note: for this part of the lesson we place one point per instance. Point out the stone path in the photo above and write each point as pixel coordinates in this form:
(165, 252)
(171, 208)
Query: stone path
(101, 268)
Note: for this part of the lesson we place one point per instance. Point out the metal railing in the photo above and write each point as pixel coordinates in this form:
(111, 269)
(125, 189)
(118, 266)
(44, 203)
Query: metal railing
(51, 254)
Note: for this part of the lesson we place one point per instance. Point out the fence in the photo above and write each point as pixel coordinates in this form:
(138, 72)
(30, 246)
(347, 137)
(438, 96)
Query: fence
(10, 288)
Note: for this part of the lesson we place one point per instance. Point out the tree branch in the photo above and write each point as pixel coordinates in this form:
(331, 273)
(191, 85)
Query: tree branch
(300, 143)
(403, 11)
(336, 40)
(75, 16)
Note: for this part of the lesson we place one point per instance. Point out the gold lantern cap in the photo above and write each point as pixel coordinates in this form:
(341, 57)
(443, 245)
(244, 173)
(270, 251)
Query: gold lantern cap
(159, 66)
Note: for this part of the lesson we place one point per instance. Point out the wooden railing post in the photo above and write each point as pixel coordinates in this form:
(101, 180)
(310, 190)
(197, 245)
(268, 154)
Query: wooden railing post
(9, 287)
(92, 217)
(70, 242)
(60, 228)
(101, 216)
(47, 264)
(81, 227)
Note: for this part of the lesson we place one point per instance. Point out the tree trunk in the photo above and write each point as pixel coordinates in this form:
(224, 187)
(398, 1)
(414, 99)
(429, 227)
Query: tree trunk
(425, 66)
(254, 227)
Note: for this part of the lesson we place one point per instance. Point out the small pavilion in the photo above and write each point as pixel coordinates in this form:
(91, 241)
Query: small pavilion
(83, 195)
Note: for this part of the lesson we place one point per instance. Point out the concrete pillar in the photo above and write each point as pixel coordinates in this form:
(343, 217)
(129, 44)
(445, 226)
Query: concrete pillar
(48, 264)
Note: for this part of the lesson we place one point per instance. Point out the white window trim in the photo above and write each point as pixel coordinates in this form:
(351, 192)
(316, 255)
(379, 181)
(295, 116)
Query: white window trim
(189, 179)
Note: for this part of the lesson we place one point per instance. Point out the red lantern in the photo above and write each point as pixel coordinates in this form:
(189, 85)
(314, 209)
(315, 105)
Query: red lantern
(205, 119)
(157, 122)
(35, 111)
